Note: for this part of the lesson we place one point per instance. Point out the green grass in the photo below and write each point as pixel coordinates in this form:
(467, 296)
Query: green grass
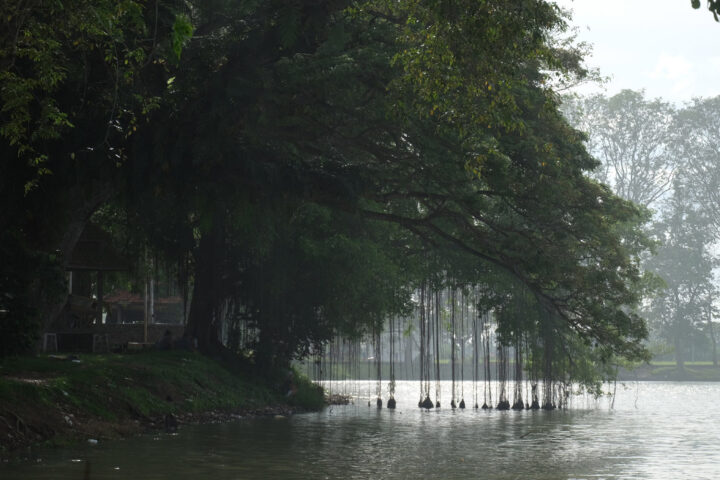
(693, 371)
(307, 395)
(672, 363)
(143, 386)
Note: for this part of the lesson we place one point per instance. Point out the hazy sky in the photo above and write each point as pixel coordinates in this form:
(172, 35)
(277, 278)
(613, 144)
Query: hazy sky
(663, 46)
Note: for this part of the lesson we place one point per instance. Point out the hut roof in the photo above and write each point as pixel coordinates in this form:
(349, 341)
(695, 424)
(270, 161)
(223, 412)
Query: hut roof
(94, 251)
(123, 297)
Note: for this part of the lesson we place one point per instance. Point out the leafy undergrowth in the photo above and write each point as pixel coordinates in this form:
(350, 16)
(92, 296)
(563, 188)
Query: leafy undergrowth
(60, 398)
(306, 394)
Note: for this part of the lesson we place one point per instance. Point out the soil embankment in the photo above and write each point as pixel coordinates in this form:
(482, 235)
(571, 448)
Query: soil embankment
(62, 399)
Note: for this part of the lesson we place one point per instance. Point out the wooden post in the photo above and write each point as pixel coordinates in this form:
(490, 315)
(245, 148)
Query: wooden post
(145, 329)
(99, 297)
(152, 300)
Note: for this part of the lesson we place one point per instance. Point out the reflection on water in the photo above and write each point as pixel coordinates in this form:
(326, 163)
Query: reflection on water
(655, 431)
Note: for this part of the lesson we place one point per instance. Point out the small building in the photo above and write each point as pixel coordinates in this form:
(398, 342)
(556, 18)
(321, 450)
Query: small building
(124, 307)
(84, 326)
(91, 259)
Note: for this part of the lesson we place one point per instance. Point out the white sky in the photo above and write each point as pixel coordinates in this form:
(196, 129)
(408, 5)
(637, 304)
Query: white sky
(663, 46)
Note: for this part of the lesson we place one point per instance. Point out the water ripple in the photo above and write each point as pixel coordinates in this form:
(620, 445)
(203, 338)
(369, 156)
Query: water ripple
(656, 431)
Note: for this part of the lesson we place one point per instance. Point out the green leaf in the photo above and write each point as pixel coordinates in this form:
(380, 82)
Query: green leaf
(181, 34)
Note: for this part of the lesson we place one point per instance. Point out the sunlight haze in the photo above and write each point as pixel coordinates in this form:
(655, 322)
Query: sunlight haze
(665, 47)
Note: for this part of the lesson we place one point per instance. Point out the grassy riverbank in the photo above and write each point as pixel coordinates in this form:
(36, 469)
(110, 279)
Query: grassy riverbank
(61, 399)
(695, 371)
(669, 371)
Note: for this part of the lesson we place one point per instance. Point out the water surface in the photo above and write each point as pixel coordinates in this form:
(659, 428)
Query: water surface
(653, 431)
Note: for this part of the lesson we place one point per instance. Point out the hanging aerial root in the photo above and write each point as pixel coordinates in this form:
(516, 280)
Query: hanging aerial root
(535, 402)
(452, 404)
(379, 402)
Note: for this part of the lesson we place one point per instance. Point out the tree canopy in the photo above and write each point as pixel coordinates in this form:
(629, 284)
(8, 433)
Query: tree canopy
(633, 138)
(318, 160)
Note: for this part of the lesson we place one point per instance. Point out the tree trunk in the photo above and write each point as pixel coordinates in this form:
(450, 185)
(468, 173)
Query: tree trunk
(270, 351)
(711, 330)
(204, 321)
(679, 355)
(408, 359)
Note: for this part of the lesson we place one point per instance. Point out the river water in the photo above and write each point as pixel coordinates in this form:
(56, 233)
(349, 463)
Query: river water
(654, 430)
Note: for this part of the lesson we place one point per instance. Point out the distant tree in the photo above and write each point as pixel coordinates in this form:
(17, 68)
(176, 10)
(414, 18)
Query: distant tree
(648, 150)
(631, 137)
(698, 148)
(685, 262)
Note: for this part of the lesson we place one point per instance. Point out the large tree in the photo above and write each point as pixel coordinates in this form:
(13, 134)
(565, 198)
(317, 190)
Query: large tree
(698, 148)
(684, 261)
(388, 112)
(632, 137)
(298, 147)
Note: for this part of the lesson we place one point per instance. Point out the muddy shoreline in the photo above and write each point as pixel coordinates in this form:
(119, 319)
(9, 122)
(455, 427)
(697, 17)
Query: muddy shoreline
(63, 427)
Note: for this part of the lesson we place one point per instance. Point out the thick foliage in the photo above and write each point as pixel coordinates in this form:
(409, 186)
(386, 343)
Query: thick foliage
(320, 159)
(25, 277)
